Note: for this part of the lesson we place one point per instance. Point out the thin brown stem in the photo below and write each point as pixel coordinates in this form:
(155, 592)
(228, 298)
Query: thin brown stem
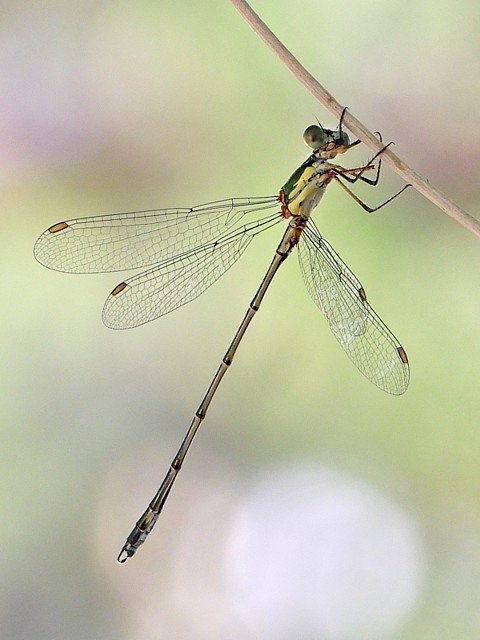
(355, 126)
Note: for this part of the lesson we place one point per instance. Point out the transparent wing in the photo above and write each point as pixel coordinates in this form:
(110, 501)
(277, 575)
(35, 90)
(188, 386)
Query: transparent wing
(178, 280)
(140, 238)
(367, 341)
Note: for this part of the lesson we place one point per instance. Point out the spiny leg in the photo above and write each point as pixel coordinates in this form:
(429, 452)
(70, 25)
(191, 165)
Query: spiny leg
(368, 166)
(360, 176)
(365, 206)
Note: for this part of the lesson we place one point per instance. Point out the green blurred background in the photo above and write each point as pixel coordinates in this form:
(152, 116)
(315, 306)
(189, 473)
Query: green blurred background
(312, 506)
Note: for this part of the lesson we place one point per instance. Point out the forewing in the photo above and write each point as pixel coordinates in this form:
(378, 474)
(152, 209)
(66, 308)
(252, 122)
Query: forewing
(141, 238)
(365, 338)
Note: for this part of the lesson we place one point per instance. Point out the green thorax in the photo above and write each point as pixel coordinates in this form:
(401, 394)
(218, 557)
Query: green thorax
(305, 187)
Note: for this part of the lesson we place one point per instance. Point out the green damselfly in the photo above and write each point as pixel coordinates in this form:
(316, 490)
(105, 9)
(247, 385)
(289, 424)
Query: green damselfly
(188, 249)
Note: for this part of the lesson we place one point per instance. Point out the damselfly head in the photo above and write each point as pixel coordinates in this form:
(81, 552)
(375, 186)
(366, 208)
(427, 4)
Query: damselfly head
(325, 142)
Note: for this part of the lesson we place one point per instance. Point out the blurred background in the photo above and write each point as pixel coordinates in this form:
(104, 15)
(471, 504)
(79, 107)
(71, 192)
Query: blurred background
(312, 505)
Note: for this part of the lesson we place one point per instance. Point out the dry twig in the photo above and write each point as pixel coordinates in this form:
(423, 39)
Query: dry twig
(356, 127)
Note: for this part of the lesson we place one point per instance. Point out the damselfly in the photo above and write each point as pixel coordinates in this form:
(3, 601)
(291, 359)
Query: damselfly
(188, 249)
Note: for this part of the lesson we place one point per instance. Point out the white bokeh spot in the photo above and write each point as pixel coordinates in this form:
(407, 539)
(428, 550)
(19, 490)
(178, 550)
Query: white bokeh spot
(315, 553)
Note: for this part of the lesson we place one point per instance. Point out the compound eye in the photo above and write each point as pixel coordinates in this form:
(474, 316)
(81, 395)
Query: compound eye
(314, 136)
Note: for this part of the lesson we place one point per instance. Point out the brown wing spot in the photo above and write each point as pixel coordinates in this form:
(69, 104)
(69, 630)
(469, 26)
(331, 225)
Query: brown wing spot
(119, 288)
(60, 226)
(402, 354)
(362, 294)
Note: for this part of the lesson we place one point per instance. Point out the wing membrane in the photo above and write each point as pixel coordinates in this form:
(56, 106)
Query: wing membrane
(177, 280)
(367, 341)
(140, 238)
